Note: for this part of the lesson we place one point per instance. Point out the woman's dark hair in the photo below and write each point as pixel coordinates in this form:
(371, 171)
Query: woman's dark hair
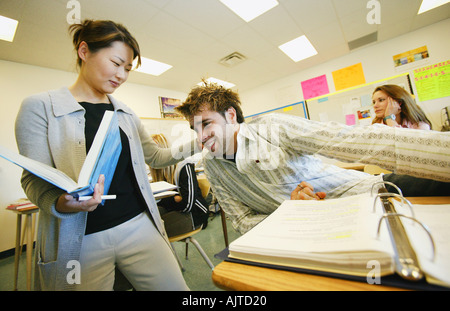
(100, 34)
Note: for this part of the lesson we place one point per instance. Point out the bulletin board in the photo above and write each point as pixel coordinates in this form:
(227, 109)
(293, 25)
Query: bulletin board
(297, 109)
(352, 106)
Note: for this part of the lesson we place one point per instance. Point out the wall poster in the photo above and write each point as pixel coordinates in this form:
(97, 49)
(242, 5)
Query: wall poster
(410, 56)
(167, 106)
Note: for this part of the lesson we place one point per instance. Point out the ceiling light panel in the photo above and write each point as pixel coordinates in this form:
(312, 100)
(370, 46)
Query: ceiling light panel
(431, 4)
(249, 9)
(8, 28)
(298, 49)
(152, 67)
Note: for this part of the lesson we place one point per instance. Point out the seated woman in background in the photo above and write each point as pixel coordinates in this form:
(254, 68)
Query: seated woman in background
(397, 108)
(189, 210)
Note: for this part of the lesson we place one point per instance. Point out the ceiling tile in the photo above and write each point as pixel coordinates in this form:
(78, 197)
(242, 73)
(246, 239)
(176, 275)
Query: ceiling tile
(310, 14)
(345, 8)
(158, 3)
(326, 36)
(276, 26)
(247, 41)
(213, 18)
(12, 9)
(134, 14)
(169, 29)
(355, 25)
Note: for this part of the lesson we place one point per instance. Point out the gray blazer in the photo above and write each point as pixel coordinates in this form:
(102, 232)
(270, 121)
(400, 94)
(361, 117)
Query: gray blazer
(50, 129)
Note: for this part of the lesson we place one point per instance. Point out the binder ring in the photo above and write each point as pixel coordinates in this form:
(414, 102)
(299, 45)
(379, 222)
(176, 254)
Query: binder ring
(414, 219)
(386, 182)
(388, 194)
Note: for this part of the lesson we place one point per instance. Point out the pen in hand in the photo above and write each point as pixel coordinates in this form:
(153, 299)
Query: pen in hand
(103, 197)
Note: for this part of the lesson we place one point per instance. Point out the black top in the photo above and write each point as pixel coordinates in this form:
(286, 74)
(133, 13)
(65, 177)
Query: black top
(129, 202)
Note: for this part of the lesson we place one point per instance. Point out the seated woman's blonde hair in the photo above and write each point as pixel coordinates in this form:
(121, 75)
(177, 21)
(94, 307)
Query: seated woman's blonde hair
(162, 174)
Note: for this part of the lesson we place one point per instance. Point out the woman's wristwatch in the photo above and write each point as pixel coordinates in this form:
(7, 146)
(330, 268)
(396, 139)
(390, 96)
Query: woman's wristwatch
(391, 116)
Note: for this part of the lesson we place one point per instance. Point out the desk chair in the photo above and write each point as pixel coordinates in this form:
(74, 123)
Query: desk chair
(187, 237)
(184, 232)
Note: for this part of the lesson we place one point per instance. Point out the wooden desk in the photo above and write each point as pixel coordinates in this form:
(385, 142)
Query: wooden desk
(351, 166)
(241, 277)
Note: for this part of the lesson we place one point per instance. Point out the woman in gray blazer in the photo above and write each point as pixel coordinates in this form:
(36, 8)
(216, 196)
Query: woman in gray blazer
(80, 243)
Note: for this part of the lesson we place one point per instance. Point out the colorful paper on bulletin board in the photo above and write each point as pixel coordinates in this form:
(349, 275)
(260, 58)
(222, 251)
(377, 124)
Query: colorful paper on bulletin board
(348, 77)
(433, 81)
(315, 87)
(366, 100)
(350, 119)
(411, 56)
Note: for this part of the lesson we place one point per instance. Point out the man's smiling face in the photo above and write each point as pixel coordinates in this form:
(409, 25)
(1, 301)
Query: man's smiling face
(215, 131)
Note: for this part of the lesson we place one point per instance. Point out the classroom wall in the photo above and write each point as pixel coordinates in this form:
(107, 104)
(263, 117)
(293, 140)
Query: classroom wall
(19, 81)
(377, 64)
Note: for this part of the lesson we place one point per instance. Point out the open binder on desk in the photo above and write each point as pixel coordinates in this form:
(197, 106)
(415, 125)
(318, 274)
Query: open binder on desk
(374, 235)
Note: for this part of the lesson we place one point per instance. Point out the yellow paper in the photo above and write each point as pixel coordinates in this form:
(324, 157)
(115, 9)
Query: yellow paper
(348, 77)
(433, 81)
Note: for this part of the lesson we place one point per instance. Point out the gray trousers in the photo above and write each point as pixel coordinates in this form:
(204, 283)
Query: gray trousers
(138, 250)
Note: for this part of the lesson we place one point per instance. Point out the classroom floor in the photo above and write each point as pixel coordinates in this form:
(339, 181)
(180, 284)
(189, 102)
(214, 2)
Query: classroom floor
(197, 273)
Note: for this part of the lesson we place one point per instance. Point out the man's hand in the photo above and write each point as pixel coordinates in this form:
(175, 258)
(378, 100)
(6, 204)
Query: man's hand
(304, 191)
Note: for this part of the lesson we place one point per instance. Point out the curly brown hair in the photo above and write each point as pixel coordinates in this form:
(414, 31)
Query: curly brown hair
(213, 97)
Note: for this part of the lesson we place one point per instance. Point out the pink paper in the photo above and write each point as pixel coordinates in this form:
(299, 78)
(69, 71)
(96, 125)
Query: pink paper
(315, 87)
(350, 119)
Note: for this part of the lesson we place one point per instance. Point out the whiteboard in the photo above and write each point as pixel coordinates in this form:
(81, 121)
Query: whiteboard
(353, 105)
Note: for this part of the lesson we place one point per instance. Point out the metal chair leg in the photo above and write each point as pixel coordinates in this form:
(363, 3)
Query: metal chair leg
(200, 249)
(178, 259)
